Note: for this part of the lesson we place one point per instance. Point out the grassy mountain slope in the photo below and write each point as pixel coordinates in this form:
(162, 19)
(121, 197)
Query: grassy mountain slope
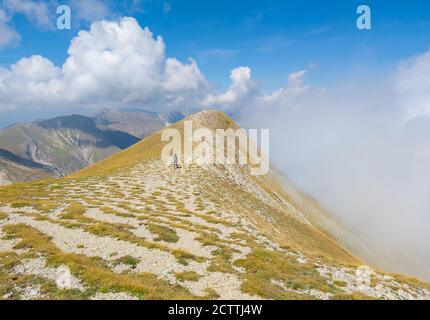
(129, 227)
(65, 144)
(14, 168)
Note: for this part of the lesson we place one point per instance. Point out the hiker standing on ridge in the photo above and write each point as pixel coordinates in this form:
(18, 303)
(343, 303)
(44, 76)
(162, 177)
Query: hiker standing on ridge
(175, 161)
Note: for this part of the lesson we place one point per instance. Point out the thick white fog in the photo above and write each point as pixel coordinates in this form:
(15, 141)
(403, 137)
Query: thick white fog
(363, 151)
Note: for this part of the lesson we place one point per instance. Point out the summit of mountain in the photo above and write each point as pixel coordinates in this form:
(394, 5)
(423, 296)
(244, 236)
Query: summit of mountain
(133, 227)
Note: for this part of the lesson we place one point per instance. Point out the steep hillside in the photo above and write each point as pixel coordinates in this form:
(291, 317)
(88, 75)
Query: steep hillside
(16, 169)
(130, 227)
(65, 144)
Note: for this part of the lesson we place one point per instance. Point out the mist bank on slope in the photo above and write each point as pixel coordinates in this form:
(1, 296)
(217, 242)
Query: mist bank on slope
(362, 160)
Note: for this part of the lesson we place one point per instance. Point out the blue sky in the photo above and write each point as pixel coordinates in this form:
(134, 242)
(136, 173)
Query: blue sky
(274, 38)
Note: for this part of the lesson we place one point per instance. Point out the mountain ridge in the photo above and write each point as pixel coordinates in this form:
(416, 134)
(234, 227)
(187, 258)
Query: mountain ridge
(66, 144)
(20, 169)
(132, 227)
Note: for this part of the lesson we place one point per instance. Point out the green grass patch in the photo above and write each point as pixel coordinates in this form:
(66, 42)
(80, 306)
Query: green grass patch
(19, 204)
(187, 276)
(75, 211)
(163, 233)
(128, 260)
(262, 267)
(94, 272)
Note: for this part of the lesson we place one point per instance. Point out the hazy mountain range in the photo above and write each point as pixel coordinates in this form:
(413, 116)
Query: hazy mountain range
(63, 145)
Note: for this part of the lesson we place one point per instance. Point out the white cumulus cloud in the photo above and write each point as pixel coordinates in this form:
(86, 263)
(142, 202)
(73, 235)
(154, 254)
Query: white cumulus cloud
(244, 92)
(115, 63)
(241, 87)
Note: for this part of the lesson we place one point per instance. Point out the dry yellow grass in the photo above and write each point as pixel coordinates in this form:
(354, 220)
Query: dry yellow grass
(164, 212)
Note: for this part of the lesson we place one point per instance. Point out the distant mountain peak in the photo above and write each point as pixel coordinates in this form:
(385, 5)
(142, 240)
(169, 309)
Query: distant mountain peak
(74, 121)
